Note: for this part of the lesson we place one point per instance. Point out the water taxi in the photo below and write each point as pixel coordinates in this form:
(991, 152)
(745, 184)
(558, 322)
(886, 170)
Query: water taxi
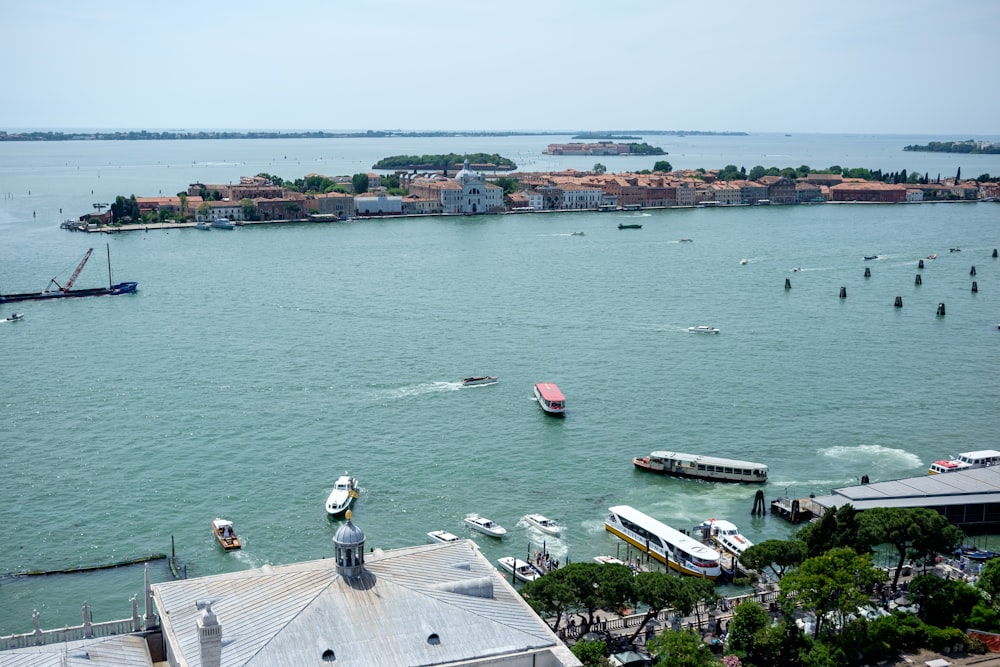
(550, 399)
(442, 536)
(667, 545)
(702, 329)
(224, 532)
(726, 535)
(485, 526)
(708, 468)
(519, 568)
(345, 490)
(542, 523)
(978, 459)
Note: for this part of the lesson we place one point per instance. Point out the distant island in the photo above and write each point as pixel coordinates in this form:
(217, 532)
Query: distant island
(603, 148)
(449, 162)
(968, 146)
(145, 135)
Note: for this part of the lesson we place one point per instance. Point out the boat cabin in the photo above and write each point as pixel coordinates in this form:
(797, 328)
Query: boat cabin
(980, 458)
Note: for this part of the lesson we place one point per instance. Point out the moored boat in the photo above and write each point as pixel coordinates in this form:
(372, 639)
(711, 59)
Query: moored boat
(223, 223)
(608, 560)
(442, 536)
(669, 546)
(542, 523)
(708, 468)
(485, 526)
(521, 570)
(550, 399)
(726, 535)
(479, 379)
(629, 226)
(979, 458)
(226, 534)
(702, 329)
(344, 492)
(203, 225)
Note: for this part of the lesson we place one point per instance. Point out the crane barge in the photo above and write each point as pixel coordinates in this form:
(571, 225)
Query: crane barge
(67, 291)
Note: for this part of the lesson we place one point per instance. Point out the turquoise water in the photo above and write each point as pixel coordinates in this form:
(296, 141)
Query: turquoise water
(255, 366)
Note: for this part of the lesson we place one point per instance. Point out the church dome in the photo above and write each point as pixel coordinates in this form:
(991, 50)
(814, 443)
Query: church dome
(349, 535)
(467, 174)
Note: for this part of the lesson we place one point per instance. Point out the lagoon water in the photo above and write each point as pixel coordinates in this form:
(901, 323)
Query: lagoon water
(254, 366)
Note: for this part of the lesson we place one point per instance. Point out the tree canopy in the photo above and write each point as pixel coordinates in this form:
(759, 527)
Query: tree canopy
(915, 530)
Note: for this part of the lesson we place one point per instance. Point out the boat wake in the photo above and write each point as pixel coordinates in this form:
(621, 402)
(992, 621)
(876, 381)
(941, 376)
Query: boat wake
(876, 456)
(418, 390)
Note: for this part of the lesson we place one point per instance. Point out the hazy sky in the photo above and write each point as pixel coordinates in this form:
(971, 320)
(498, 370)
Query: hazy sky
(872, 66)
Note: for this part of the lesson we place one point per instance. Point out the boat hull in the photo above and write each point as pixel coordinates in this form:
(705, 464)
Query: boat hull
(114, 290)
(492, 531)
(672, 564)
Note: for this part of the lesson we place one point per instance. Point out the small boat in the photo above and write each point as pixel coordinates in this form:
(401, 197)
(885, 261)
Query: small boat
(550, 399)
(867, 257)
(204, 226)
(708, 468)
(344, 492)
(542, 523)
(14, 317)
(726, 535)
(519, 568)
(703, 330)
(224, 532)
(485, 526)
(621, 226)
(577, 234)
(223, 223)
(687, 240)
(933, 255)
(479, 379)
(744, 262)
(442, 536)
(608, 560)
(954, 250)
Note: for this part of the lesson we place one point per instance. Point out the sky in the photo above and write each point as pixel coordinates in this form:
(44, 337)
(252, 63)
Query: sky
(851, 66)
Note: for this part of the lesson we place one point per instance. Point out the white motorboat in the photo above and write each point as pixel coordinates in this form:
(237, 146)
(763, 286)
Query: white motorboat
(542, 523)
(519, 568)
(479, 379)
(442, 536)
(981, 458)
(702, 329)
(697, 466)
(485, 526)
(343, 494)
(608, 560)
(223, 223)
(726, 535)
(203, 225)
(13, 317)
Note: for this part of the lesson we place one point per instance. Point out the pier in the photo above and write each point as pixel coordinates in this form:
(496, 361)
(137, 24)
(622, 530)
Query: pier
(970, 499)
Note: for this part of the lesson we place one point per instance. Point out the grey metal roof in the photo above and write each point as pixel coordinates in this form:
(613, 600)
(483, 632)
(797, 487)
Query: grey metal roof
(962, 487)
(120, 651)
(292, 614)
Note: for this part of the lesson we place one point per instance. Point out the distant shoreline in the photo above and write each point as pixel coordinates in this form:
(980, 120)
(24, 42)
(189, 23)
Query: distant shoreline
(144, 135)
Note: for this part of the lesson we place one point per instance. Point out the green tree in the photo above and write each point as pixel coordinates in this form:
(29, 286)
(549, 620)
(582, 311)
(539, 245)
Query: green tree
(249, 209)
(204, 209)
(656, 591)
(681, 649)
(775, 555)
(550, 596)
(943, 602)
(830, 586)
(591, 654)
(840, 528)
(360, 183)
(756, 172)
(509, 185)
(662, 166)
(599, 168)
(749, 618)
(909, 529)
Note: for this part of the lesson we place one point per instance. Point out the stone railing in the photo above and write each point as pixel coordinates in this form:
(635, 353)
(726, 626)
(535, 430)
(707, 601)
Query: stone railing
(88, 629)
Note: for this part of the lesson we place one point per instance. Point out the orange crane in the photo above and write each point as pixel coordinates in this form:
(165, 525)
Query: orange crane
(76, 273)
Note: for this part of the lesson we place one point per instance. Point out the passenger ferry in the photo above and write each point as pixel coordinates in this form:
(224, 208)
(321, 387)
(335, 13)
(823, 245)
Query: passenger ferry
(708, 468)
(977, 459)
(667, 545)
(550, 399)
